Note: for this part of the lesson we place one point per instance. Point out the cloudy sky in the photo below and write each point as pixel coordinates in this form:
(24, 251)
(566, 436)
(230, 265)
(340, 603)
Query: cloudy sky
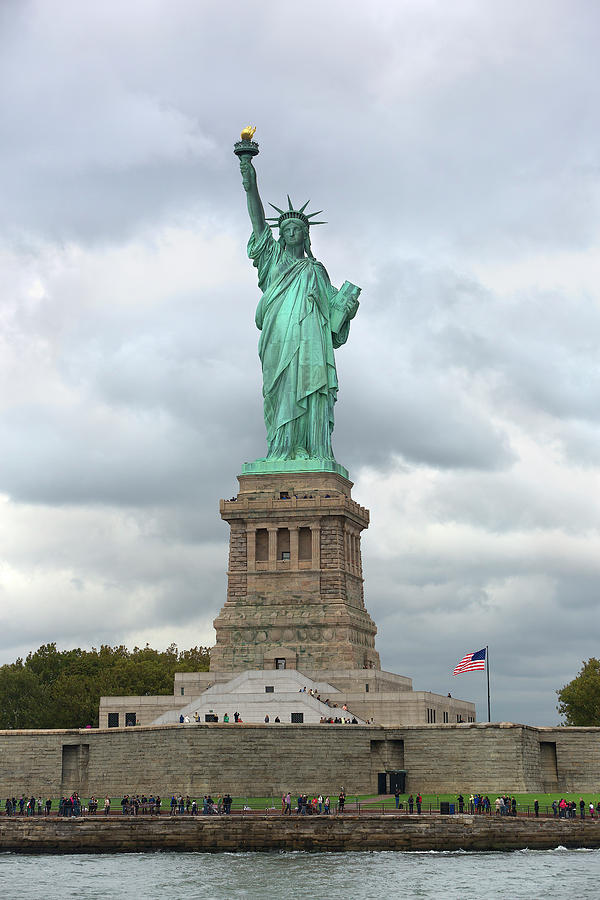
(454, 148)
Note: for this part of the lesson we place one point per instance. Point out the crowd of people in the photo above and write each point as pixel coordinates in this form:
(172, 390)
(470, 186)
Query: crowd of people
(152, 804)
(302, 804)
(567, 809)
(221, 806)
(480, 804)
(338, 720)
(341, 716)
(131, 805)
(213, 717)
(506, 805)
(27, 806)
(317, 806)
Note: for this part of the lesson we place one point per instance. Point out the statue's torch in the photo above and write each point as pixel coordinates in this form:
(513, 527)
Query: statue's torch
(246, 147)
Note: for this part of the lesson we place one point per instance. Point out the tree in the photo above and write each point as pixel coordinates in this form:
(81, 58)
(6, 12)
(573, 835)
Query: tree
(579, 700)
(62, 688)
(22, 697)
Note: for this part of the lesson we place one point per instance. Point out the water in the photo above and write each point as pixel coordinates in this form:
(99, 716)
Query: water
(352, 876)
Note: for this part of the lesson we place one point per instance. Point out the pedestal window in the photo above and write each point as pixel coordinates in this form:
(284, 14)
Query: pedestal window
(283, 543)
(262, 545)
(304, 544)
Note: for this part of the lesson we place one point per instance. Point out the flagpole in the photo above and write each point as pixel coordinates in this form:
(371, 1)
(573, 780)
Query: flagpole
(487, 668)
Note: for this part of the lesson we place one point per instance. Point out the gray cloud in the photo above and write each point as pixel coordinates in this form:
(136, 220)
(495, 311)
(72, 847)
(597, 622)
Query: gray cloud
(453, 150)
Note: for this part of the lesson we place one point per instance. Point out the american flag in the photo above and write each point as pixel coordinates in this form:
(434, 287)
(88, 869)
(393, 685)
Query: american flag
(471, 662)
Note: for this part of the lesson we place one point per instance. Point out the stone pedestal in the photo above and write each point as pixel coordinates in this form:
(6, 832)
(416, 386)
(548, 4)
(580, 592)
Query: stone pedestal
(295, 586)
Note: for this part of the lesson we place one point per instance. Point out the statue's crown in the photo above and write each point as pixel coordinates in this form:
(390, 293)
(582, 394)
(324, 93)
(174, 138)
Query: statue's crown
(292, 213)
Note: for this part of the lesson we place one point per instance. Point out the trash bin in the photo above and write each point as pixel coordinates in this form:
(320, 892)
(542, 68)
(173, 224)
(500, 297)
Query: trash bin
(444, 808)
(451, 809)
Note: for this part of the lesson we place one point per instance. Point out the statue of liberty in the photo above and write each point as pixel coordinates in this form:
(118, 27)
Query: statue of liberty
(302, 318)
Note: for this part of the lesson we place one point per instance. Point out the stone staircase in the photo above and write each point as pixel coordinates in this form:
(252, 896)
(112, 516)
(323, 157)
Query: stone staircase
(255, 694)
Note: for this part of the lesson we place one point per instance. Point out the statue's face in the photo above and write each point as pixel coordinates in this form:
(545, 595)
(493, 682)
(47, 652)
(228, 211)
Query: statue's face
(292, 231)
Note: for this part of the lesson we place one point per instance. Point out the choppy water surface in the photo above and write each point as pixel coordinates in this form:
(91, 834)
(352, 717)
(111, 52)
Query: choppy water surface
(359, 876)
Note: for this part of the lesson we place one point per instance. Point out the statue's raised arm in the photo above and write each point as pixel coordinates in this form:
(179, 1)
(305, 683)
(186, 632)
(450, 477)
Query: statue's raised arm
(255, 208)
(245, 149)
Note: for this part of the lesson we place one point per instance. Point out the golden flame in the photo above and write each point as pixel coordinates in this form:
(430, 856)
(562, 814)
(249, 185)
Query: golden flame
(248, 132)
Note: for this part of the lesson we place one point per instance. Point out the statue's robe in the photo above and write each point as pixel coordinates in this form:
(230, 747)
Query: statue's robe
(296, 350)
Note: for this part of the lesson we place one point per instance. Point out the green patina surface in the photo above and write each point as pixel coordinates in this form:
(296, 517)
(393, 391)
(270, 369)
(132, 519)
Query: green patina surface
(302, 319)
(274, 466)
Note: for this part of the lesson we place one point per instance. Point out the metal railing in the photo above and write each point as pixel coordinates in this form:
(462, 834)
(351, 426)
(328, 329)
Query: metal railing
(353, 806)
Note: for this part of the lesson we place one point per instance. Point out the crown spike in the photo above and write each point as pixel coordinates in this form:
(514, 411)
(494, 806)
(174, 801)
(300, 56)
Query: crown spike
(290, 204)
(276, 208)
(317, 213)
(318, 223)
(302, 208)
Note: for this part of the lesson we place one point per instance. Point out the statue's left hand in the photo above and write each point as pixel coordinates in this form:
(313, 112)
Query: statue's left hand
(352, 301)
(351, 307)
